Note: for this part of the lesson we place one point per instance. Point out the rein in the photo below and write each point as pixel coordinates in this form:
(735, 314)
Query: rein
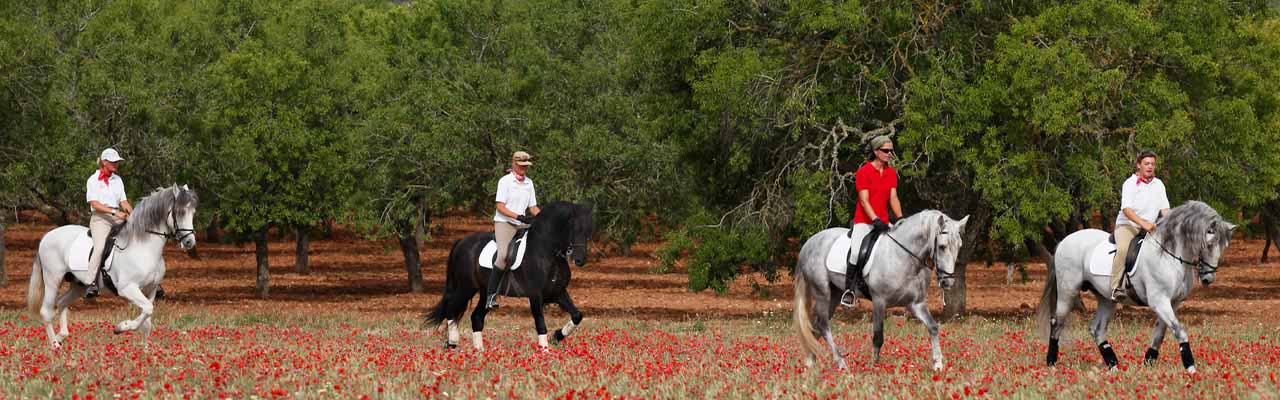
(1202, 268)
(941, 274)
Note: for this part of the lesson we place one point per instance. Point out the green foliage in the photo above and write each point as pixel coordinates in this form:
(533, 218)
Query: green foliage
(720, 252)
(734, 125)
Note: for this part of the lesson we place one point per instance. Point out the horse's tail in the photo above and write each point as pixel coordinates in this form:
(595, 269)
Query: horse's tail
(803, 315)
(449, 306)
(35, 291)
(1048, 299)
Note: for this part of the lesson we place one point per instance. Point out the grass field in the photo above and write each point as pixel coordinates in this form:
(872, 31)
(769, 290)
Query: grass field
(256, 355)
(351, 329)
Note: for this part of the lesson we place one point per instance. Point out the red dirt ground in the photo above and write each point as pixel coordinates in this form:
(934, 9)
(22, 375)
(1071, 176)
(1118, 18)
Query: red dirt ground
(352, 275)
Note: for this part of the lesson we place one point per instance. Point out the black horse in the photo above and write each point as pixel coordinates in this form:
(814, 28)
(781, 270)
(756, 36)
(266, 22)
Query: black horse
(558, 233)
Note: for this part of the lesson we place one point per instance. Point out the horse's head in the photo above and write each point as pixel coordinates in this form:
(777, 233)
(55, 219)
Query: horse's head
(183, 213)
(1216, 239)
(947, 240)
(1197, 235)
(582, 226)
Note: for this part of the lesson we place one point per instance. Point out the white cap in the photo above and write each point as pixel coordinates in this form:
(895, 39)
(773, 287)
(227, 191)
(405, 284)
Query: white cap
(111, 155)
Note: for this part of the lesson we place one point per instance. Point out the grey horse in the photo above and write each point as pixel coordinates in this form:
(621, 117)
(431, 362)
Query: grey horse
(899, 276)
(1191, 237)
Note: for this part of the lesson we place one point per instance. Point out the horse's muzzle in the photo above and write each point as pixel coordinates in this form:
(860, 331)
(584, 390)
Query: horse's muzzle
(946, 283)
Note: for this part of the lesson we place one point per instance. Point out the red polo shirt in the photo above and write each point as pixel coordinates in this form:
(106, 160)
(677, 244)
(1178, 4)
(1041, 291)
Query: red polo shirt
(879, 184)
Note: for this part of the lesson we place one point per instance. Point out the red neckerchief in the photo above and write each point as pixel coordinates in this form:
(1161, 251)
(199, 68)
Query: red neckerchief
(104, 176)
(1142, 180)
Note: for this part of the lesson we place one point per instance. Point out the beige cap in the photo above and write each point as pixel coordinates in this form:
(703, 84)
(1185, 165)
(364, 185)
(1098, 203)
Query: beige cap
(522, 158)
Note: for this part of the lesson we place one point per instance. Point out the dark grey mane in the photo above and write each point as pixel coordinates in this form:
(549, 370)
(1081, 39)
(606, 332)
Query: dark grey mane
(152, 213)
(1183, 229)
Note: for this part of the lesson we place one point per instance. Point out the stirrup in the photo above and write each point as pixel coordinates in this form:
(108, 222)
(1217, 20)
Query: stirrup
(849, 298)
(491, 301)
(91, 291)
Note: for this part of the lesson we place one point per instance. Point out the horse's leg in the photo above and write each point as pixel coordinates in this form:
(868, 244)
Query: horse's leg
(135, 296)
(62, 303)
(1157, 337)
(575, 317)
(147, 325)
(1061, 310)
(451, 321)
(477, 325)
(822, 322)
(1164, 310)
(921, 310)
(1098, 328)
(877, 329)
(539, 323)
(48, 310)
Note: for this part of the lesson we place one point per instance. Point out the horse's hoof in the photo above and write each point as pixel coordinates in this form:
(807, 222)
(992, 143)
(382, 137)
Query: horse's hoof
(450, 346)
(117, 330)
(55, 346)
(937, 366)
(1191, 370)
(557, 337)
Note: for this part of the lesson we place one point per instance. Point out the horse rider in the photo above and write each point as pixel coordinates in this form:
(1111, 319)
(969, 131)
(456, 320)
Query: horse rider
(877, 185)
(1142, 200)
(109, 206)
(516, 206)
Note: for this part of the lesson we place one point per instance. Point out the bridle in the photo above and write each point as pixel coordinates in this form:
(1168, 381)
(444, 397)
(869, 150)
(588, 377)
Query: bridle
(1202, 268)
(176, 233)
(934, 255)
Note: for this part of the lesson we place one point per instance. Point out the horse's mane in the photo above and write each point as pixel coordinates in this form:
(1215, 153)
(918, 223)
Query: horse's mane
(153, 211)
(1185, 226)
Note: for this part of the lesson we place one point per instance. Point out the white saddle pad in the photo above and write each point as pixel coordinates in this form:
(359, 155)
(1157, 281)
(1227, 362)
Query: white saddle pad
(1100, 259)
(78, 254)
(838, 256)
(486, 255)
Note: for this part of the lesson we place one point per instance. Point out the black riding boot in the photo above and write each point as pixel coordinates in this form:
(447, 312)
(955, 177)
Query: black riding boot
(91, 290)
(495, 277)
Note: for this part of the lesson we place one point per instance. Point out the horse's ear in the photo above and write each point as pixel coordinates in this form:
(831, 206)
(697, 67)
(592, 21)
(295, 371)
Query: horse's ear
(185, 188)
(963, 221)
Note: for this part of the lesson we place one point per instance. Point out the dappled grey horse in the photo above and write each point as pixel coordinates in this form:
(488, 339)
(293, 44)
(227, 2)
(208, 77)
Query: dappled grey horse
(1191, 237)
(898, 275)
(137, 268)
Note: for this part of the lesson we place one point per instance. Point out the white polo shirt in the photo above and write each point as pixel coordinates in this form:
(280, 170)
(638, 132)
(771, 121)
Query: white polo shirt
(110, 194)
(1145, 199)
(517, 196)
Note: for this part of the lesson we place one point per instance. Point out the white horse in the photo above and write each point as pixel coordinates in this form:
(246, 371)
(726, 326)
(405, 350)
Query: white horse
(1191, 237)
(137, 268)
(897, 275)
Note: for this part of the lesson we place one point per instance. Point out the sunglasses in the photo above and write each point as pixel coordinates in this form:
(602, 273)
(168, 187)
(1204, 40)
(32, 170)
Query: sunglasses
(885, 151)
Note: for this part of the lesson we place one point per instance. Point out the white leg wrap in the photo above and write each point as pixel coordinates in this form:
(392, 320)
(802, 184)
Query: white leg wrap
(454, 336)
(542, 342)
(477, 340)
(568, 329)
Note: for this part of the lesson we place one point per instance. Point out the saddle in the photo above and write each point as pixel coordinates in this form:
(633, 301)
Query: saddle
(104, 279)
(513, 248)
(853, 276)
(1130, 258)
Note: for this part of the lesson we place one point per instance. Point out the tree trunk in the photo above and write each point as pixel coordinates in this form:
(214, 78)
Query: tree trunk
(264, 273)
(412, 258)
(4, 275)
(302, 264)
(955, 298)
(1267, 224)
